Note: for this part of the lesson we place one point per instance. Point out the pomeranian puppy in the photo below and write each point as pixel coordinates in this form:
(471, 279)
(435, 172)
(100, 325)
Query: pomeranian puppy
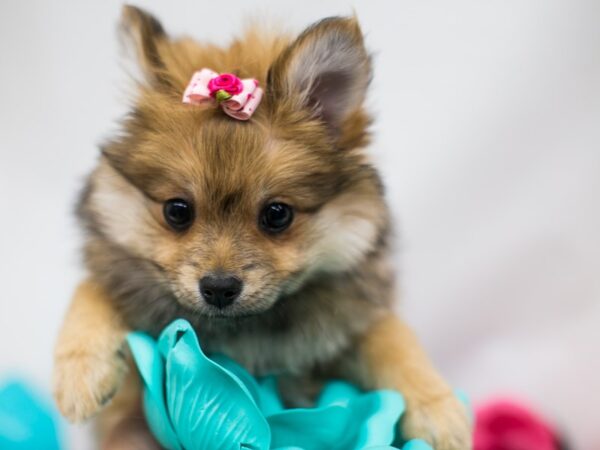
(271, 236)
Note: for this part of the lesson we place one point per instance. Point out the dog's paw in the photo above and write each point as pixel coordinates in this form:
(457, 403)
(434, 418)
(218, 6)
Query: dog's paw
(84, 383)
(442, 422)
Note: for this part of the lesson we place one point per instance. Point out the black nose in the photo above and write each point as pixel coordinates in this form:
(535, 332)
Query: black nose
(220, 290)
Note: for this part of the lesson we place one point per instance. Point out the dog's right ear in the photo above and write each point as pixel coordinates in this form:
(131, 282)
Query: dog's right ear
(145, 35)
(326, 69)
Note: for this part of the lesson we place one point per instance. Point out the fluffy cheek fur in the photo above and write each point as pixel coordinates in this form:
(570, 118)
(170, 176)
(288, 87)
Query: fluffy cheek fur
(122, 213)
(345, 231)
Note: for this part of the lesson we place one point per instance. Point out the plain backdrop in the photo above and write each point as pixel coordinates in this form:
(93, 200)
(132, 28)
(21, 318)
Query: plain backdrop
(488, 135)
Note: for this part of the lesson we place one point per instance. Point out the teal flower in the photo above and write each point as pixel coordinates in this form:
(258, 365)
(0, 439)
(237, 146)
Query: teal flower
(193, 402)
(27, 420)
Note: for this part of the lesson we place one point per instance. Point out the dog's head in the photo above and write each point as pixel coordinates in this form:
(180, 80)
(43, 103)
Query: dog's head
(233, 215)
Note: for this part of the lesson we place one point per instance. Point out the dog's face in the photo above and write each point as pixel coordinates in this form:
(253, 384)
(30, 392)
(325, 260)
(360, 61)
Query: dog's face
(234, 215)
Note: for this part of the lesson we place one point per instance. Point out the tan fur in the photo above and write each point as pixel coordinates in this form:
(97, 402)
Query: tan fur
(89, 357)
(318, 296)
(393, 358)
(122, 426)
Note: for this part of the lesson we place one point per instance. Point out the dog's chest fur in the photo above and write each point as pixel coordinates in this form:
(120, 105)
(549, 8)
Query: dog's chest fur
(300, 333)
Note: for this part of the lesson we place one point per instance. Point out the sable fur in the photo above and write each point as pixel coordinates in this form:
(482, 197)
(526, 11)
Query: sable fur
(230, 169)
(311, 294)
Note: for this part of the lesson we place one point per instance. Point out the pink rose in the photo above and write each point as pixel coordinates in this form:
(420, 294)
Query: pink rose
(505, 425)
(225, 82)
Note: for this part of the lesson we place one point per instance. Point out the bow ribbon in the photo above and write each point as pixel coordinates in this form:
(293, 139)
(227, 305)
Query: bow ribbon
(238, 98)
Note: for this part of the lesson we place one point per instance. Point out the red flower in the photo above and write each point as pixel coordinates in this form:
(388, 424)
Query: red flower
(225, 82)
(505, 425)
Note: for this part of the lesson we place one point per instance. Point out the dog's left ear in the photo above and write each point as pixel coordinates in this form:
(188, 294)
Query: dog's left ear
(143, 33)
(326, 69)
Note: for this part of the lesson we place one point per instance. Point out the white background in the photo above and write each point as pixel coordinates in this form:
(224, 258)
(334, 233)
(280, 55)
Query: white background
(488, 134)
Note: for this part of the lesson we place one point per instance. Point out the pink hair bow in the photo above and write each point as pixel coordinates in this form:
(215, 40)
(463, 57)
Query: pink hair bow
(238, 98)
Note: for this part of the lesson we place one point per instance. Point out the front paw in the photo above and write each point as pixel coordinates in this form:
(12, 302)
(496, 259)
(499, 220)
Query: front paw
(441, 421)
(85, 382)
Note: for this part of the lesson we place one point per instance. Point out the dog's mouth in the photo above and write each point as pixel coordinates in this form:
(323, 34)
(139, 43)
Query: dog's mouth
(230, 313)
(249, 306)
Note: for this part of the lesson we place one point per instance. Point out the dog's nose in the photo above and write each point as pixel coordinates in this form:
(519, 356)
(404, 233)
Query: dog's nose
(220, 290)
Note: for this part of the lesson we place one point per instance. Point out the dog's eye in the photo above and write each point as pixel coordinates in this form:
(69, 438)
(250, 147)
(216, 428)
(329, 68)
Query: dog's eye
(276, 217)
(178, 213)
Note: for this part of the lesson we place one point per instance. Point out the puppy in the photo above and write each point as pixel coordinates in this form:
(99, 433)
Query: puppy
(271, 236)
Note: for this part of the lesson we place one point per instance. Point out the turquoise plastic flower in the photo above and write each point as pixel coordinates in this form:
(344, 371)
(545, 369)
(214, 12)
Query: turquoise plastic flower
(193, 402)
(27, 420)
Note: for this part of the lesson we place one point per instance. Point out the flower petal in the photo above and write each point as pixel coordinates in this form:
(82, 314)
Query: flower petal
(211, 409)
(151, 367)
(362, 421)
